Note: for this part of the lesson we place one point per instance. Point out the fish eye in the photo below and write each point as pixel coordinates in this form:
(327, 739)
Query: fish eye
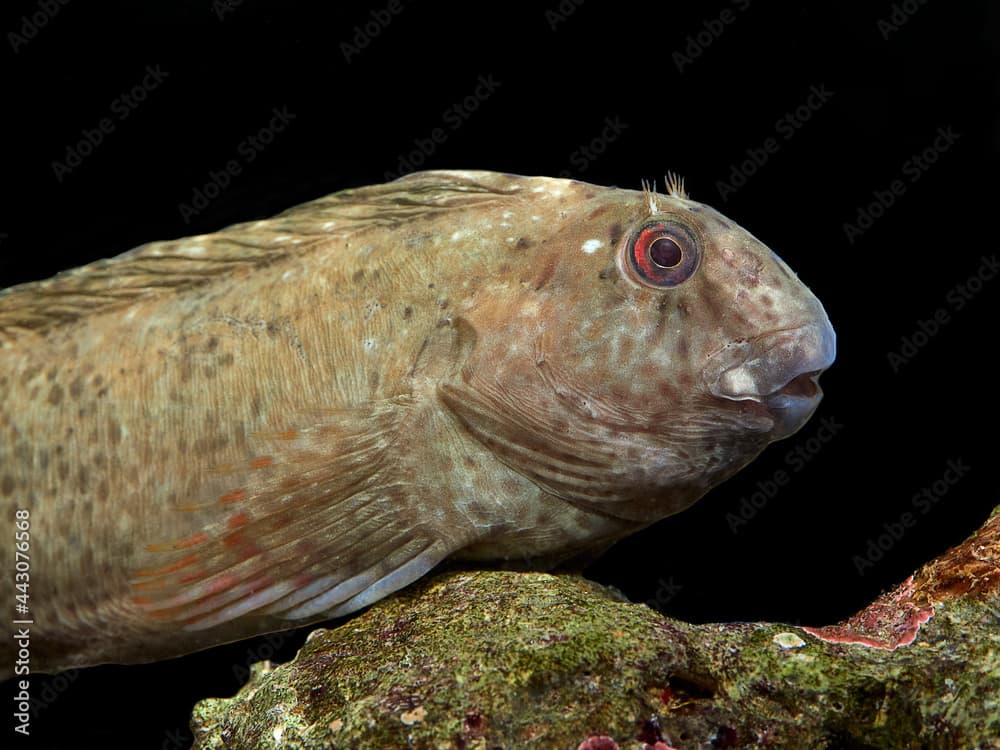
(662, 254)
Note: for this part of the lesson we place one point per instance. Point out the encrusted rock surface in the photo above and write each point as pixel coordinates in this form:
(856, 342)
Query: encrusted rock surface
(490, 660)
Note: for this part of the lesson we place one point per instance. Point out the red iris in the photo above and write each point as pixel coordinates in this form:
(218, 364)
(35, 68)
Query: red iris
(663, 254)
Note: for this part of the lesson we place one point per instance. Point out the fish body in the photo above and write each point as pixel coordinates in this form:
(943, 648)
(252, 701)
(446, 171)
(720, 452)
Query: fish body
(284, 421)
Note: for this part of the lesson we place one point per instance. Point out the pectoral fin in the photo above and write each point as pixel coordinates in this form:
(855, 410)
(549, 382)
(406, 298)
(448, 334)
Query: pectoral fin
(316, 524)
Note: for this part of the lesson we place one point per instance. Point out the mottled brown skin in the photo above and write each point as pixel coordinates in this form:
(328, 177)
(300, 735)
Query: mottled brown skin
(203, 429)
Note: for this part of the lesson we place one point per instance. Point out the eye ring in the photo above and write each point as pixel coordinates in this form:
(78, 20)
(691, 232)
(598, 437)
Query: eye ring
(662, 254)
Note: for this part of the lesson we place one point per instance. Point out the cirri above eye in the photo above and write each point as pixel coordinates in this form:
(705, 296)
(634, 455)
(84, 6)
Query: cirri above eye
(662, 254)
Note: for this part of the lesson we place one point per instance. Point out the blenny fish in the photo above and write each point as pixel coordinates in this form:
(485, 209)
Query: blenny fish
(282, 422)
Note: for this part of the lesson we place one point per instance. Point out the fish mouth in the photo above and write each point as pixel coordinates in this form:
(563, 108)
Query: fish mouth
(776, 375)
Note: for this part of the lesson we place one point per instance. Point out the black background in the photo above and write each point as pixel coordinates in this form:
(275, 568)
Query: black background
(561, 75)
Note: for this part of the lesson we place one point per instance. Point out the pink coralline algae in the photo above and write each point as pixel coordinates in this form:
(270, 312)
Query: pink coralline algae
(889, 622)
(598, 742)
(968, 570)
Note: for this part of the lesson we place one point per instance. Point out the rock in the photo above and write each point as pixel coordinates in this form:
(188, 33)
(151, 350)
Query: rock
(492, 659)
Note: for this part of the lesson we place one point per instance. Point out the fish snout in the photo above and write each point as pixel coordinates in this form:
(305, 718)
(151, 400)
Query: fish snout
(779, 371)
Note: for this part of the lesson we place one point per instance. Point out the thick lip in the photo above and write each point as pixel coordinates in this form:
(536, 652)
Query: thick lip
(778, 370)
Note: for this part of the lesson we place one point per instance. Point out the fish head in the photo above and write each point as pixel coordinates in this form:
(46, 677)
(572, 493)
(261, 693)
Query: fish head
(656, 349)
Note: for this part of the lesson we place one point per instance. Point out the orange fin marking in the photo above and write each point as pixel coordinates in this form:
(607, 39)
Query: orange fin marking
(196, 575)
(163, 570)
(261, 461)
(154, 585)
(233, 496)
(237, 521)
(285, 435)
(200, 538)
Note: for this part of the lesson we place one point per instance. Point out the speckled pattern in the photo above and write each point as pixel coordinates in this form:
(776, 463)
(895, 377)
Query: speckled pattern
(228, 434)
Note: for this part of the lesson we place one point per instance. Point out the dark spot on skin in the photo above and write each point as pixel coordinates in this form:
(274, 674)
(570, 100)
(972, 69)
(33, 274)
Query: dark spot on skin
(545, 276)
(662, 314)
(615, 233)
(98, 380)
(468, 461)
(373, 379)
(103, 490)
(226, 359)
(114, 431)
(608, 272)
(524, 243)
(358, 276)
(589, 194)
(76, 387)
(407, 312)
(102, 393)
(30, 374)
(81, 479)
(209, 372)
(766, 300)
(7, 485)
(63, 470)
(443, 304)
(667, 391)
(51, 375)
(598, 211)
(212, 343)
(99, 460)
(682, 347)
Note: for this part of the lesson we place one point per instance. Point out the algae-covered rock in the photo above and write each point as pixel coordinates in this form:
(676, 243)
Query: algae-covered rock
(509, 660)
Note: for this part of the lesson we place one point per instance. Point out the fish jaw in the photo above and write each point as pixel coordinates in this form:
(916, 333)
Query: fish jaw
(778, 371)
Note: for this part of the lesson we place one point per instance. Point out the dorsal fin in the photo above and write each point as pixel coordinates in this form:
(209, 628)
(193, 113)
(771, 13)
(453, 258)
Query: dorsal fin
(158, 267)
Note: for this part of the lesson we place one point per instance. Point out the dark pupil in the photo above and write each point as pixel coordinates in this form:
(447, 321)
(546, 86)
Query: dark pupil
(665, 252)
